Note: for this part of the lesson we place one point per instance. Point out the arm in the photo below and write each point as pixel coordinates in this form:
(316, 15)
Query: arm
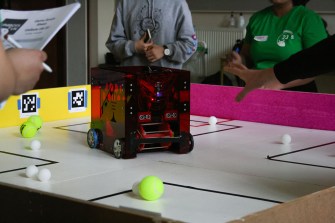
(117, 41)
(253, 78)
(242, 57)
(316, 60)
(119, 44)
(20, 70)
(186, 42)
(7, 75)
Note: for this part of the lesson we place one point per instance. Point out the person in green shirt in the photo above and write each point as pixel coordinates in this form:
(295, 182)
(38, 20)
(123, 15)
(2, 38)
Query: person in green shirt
(310, 62)
(278, 31)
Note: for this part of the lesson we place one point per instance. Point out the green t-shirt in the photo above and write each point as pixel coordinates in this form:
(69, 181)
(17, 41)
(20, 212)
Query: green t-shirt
(273, 39)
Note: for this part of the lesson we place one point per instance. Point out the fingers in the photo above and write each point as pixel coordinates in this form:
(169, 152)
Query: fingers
(235, 55)
(246, 90)
(242, 72)
(44, 56)
(235, 70)
(142, 47)
(148, 47)
(40, 56)
(154, 53)
(143, 37)
(241, 66)
(151, 57)
(241, 95)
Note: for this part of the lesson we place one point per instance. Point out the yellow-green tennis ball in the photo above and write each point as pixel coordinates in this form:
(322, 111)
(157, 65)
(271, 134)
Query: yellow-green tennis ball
(151, 188)
(28, 129)
(37, 120)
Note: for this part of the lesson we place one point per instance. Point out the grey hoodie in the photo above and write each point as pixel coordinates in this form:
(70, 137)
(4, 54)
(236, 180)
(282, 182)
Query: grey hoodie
(170, 23)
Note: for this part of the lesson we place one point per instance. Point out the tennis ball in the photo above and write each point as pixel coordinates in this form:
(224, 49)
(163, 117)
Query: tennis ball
(28, 129)
(36, 120)
(151, 188)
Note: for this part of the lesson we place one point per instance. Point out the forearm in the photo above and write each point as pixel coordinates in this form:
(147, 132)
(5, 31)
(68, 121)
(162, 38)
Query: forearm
(121, 48)
(298, 82)
(7, 83)
(185, 43)
(182, 50)
(118, 43)
(7, 75)
(316, 60)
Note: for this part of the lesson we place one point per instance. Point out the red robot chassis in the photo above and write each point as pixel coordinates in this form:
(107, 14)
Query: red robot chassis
(137, 109)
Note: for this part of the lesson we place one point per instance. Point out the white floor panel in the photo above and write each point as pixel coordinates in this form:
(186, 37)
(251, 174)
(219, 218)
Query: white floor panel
(192, 205)
(236, 168)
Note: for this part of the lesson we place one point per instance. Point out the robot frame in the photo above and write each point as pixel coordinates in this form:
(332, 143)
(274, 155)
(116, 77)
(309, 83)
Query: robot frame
(139, 109)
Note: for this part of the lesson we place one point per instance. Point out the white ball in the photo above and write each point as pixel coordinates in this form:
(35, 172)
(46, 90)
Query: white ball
(286, 139)
(31, 171)
(212, 120)
(44, 175)
(35, 144)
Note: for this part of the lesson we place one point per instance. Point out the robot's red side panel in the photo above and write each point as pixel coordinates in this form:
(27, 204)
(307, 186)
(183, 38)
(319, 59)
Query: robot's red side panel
(95, 102)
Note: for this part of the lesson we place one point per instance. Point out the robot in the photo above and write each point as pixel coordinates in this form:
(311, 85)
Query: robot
(139, 109)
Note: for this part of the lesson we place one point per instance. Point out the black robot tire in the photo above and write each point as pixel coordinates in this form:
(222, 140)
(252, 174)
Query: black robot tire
(187, 142)
(92, 138)
(191, 142)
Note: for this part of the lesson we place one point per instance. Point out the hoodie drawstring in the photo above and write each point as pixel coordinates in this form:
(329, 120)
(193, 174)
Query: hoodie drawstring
(151, 13)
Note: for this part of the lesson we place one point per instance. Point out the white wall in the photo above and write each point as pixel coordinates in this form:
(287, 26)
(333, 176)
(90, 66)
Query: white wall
(76, 38)
(102, 12)
(101, 17)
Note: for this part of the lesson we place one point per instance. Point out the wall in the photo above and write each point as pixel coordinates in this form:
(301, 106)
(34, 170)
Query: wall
(76, 50)
(102, 15)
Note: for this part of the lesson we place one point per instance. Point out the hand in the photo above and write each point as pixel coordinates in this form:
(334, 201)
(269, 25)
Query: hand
(234, 58)
(27, 64)
(141, 46)
(154, 53)
(253, 78)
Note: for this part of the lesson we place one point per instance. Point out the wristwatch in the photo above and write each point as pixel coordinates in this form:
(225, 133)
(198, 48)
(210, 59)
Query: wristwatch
(167, 51)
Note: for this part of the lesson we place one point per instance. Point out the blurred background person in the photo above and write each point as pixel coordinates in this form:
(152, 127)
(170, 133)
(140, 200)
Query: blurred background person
(173, 39)
(275, 33)
(310, 62)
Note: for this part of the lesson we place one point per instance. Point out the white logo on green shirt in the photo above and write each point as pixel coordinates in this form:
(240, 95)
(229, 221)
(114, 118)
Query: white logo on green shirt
(284, 37)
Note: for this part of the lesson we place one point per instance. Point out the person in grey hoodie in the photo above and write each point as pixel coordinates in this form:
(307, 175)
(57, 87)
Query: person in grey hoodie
(173, 39)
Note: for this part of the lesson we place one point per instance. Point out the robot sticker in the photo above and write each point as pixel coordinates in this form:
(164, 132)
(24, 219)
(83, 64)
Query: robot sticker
(77, 100)
(29, 104)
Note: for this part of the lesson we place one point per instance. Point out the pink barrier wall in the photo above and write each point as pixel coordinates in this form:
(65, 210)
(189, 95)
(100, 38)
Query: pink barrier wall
(298, 109)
